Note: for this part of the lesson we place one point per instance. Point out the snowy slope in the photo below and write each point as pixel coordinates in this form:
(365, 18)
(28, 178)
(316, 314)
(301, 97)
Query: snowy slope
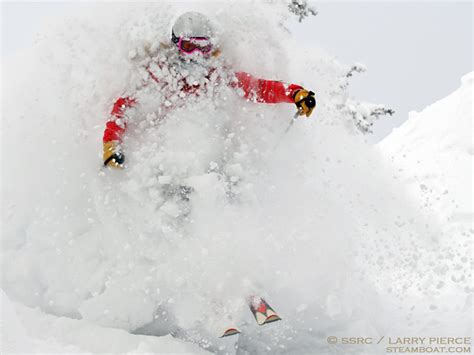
(433, 154)
(312, 219)
(25, 330)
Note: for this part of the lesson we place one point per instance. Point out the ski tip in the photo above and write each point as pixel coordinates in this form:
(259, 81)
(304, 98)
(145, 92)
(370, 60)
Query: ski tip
(272, 318)
(229, 332)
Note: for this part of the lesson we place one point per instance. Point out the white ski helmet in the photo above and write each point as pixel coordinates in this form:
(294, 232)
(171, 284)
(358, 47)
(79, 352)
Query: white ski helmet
(191, 24)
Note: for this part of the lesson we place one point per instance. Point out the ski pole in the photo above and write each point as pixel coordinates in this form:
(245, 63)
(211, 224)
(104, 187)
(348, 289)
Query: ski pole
(292, 121)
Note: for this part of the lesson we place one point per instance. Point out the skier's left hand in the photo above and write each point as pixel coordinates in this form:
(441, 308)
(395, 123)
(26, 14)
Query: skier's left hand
(305, 102)
(113, 156)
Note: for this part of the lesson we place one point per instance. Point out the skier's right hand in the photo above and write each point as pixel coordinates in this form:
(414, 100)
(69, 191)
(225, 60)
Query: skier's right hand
(305, 102)
(113, 157)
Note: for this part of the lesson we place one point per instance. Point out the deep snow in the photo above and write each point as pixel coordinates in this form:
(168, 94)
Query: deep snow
(317, 221)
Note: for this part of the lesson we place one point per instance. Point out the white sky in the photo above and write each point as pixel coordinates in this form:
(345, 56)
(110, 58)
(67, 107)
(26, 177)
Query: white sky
(416, 52)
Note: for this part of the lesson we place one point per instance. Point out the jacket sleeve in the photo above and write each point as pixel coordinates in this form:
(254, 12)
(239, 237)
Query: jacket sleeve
(116, 125)
(267, 91)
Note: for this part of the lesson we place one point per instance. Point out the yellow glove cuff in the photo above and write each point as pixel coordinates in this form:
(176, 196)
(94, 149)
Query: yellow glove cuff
(112, 156)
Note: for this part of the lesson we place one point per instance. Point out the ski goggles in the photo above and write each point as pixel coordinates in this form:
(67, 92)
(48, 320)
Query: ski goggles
(193, 44)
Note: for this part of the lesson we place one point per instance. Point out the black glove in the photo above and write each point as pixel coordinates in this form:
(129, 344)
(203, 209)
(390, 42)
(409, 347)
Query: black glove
(305, 102)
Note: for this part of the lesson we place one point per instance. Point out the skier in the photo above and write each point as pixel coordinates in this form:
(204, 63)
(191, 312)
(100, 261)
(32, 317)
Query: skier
(192, 40)
(186, 69)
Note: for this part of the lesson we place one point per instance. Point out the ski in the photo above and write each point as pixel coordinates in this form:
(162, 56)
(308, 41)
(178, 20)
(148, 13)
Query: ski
(229, 332)
(262, 311)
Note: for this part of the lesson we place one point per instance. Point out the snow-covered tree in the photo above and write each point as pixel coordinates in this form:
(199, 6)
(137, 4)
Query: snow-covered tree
(363, 114)
(301, 9)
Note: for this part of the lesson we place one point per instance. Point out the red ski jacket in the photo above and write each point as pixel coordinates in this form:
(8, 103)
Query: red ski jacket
(259, 90)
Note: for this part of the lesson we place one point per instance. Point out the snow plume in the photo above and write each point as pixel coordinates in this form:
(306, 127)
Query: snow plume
(219, 199)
